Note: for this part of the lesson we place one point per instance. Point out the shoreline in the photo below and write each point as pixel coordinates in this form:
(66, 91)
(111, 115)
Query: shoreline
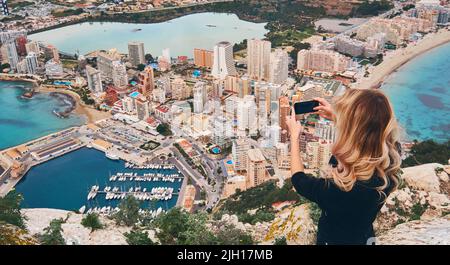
(400, 57)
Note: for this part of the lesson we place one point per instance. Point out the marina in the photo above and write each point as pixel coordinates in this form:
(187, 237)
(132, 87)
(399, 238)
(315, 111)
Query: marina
(86, 179)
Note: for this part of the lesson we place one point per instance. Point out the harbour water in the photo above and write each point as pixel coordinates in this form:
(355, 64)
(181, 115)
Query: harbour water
(181, 35)
(22, 120)
(420, 93)
(64, 182)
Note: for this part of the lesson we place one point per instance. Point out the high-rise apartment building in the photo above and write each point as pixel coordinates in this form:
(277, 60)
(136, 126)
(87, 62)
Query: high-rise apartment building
(33, 46)
(13, 57)
(247, 118)
(94, 79)
(223, 60)
(284, 110)
(258, 59)
(21, 42)
(119, 75)
(142, 108)
(51, 52)
(322, 60)
(136, 53)
(239, 151)
(32, 62)
(256, 168)
(200, 96)
(279, 67)
(146, 81)
(180, 90)
(203, 58)
(105, 63)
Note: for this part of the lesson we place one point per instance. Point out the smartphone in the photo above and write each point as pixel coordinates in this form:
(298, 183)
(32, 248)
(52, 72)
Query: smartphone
(305, 107)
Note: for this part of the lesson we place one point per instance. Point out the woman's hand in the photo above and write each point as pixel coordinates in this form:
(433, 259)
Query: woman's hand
(295, 128)
(324, 109)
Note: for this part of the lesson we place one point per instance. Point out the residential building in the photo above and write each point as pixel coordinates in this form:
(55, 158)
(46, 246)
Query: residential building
(94, 79)
(256, 168)
(105, 63)
(322, 60)
(223, 60)
(136, 53)
(142, 108)
(13, 57)
(180, 91)
(258, 59)
(200, 96)
(119, 75)
(53, 68)
(203, 58)
(239, 151)
(32, 46)
(284, 112)
(146, 81)
(32, 62)
(279, 67)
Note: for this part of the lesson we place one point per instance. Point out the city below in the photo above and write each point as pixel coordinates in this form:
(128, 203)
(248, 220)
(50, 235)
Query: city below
(202, 119)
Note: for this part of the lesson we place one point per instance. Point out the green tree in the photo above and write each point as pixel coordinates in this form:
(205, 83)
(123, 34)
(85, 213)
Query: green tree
(128, 213)
(149, 57)
(137, 237)
(427, 152)
(53, 233)
(171, 226)
(141, 67)
(280, 241)
(164, 129)
(230, 235)
(10, 209)
(92, 221)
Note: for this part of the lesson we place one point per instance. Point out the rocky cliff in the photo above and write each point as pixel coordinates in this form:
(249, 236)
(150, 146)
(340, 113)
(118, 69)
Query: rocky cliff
(417, 213)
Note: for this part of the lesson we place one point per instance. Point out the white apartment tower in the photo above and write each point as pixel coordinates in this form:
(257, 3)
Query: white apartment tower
(200, 96)
(279, 67)
(136, 53)
(258, 59)
(94, 79)
(239, 152)
(119, 74)
(13, 57)
(32, 62)
(223, 60)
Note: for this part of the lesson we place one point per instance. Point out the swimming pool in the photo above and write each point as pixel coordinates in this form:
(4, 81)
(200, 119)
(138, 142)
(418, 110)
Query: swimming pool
(216, 150)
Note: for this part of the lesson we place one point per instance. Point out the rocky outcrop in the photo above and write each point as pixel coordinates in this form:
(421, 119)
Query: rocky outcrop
(293, 223)
(420, 232)
(73, 232)
(13, 235)
(425, 177)
(423, 196)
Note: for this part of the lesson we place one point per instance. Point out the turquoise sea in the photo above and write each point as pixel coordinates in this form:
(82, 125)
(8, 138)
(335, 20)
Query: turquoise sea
(420, 93)
(181, 35)
(22, 120)
(64, 182)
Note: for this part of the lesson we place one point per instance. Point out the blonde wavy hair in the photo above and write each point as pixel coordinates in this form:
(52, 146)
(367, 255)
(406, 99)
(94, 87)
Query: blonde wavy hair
(367, 139)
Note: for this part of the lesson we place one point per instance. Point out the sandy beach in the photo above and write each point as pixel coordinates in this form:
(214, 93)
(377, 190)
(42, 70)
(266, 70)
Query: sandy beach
(92, 115)
(392, 61)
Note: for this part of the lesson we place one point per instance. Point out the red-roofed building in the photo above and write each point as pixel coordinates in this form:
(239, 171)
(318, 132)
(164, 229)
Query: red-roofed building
(21, 41)
(111, 96)
(162, 112)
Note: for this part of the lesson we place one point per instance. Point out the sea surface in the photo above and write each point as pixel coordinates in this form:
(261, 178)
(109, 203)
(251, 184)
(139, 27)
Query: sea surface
(180, 35)
(22, 120)
(64, 182)
(420, 93)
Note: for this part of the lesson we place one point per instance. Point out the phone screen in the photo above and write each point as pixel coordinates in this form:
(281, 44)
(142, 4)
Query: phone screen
(305, 107)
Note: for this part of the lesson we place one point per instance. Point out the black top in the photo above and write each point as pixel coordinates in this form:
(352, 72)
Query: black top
(347, 217)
